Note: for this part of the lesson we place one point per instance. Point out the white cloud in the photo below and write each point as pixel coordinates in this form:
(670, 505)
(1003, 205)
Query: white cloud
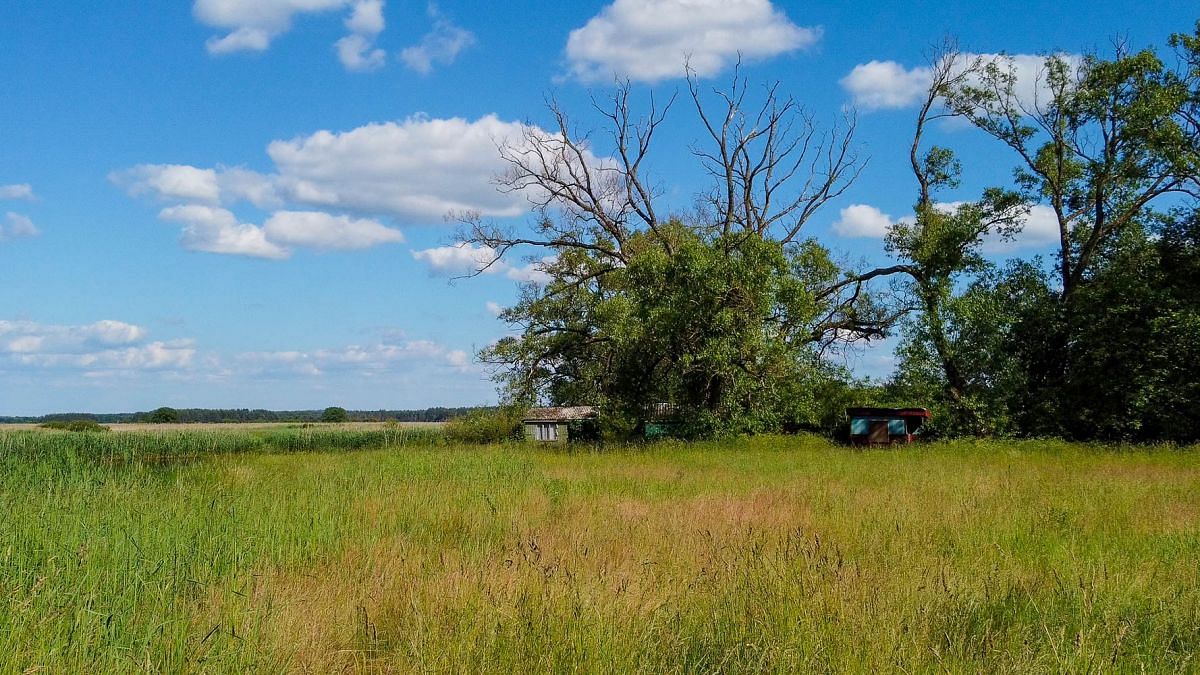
(17, 191)
(464, 259)
(441, 45)
(17, 226)
(1039, 229)
(30, 336)
(103, 345)
(238, 184)
(243, 39)
(253, 25)
(367, 18)
(460, 260)
(534, 272)
(417, 169)
(414, 171)
(494, 308)
(649, 40)
(314, 229)
(357, 50)
(217, 230)
(356, 53)
(364, 359)
(170, 181)
(861, 220)
(887, 84)
(153, 356)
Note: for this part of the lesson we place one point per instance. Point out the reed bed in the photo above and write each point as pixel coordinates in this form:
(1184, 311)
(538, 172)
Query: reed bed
(763, 555)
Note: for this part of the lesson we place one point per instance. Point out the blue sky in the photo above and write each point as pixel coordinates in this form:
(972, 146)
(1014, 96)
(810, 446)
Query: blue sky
(227, 203)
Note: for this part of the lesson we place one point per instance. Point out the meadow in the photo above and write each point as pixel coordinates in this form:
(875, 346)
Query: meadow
(318, 550)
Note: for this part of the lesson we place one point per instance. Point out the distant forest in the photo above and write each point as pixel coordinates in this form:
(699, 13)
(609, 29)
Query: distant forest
(213, 415)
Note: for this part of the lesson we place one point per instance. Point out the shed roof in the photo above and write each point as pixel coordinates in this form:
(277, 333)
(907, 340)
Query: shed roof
(561, 414)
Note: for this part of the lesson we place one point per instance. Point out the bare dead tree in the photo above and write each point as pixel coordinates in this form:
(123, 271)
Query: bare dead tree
(772, 169)
(758, 154)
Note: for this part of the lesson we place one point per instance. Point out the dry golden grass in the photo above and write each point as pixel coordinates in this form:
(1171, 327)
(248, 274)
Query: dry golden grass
(681, 563)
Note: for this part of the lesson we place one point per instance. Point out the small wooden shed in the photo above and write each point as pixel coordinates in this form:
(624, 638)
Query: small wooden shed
(885, 426)
(559, 424)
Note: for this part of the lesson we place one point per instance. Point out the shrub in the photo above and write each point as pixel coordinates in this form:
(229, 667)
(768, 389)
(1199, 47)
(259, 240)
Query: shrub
(74, 425)
(487, 425)
(162, 415)
(334, 414)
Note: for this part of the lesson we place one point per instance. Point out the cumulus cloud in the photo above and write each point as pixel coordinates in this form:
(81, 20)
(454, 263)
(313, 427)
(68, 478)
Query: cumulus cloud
(441, 45)
(322, 231)
(493, 308)
(17, 226)
(460, 260)
(1039, 229)
(357, 50)
(886, 84)
(254, 25)
(356, 53)
(465, 259)
(216, 230)
(170, 181)
(534, 272)
(363, 359)
(17, 191)
(862, 220)
(366, 18)
(877, 85)
(649, 40)
(103, 345)
(415, 170)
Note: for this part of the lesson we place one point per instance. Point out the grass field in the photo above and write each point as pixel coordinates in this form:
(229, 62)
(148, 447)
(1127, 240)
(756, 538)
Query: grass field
(209, 551)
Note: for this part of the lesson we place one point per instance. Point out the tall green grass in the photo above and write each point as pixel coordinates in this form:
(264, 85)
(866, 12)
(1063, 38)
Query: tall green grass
(773, 554)
(150, 446)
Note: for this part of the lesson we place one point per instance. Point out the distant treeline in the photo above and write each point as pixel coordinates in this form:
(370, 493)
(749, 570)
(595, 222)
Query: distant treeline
(214, 415)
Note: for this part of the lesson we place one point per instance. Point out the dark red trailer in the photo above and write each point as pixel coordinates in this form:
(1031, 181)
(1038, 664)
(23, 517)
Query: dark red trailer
(885, 426)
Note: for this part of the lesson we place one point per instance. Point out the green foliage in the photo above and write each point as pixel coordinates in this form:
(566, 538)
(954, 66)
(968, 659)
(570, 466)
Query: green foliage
(163, 415)
(74, 425)
(1107, 349)
(721, 330)
(487, 425)
(334, 414)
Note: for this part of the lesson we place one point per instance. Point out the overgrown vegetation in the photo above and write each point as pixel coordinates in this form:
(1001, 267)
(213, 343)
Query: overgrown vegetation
(770, 554)
(18, 447)
(487, 425)
(74, 425)
(724, 314)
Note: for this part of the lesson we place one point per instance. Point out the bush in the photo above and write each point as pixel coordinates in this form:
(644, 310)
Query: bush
(162, 415)
(334, 414)
(74, 425)
(487, 425)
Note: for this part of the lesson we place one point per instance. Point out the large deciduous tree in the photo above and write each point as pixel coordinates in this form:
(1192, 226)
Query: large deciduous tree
(1109, 146)
(723, 312)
